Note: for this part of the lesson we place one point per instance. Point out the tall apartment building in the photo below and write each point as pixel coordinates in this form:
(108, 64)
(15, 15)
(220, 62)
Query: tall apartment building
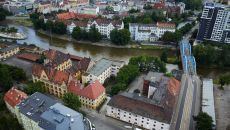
(215, 23)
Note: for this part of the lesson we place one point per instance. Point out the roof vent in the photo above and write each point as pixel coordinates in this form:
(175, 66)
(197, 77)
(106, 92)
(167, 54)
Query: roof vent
(68, 115)
(72, 120)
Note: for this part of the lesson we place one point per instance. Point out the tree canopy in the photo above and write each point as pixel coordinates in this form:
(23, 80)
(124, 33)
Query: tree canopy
(204, 121)
(120, 37)
(8, 74)
(72, 101)
(34, 87)
(94, 35)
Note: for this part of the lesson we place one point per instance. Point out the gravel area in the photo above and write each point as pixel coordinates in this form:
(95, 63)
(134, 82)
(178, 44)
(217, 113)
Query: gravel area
(222, 107)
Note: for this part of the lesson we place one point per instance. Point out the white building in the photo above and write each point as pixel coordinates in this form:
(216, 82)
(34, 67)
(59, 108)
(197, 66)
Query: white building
(150, 32)
(103, 69)
(88, 9)
(105, 26)
(138, 111)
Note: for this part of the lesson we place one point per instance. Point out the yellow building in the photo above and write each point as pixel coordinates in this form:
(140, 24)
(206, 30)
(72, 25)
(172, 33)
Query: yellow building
(57, 60)
(90, 96)
(55, 81)
(9, 51)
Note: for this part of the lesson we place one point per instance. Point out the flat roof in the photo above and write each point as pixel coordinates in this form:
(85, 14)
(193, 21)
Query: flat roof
(208, 99)
(35, 105)
(60, 117)
(102, 65)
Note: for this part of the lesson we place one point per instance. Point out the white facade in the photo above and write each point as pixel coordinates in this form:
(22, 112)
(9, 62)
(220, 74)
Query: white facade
(93, 10)
(27, 123)
(147, 32)
(105, 28)
(102, 70)
(138, 120)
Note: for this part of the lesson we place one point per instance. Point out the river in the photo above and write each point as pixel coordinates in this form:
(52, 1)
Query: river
(81, 49)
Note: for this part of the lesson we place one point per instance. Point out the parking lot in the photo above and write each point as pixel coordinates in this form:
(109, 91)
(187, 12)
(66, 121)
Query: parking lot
(25, 65)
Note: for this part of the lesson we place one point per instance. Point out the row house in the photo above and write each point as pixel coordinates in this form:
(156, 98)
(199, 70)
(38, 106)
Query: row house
(55, 81)
(101, 70)
(90, 96)
(40, 112)
(9, 51)
(150, 32)
(57, 60)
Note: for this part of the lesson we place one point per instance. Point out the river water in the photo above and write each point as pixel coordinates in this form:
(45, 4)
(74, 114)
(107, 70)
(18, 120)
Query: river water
(81, 49)
(97, 52)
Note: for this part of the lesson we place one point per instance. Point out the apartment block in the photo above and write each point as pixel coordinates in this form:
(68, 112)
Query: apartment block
(215, 23)
(150, 32)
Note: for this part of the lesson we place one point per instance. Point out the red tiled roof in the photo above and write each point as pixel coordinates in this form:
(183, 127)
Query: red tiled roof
(166, 24)
(55, 76)
(72, 15)
(92, 91)
(14, 97)
(174, 87)
(29, 56)
(159, 5)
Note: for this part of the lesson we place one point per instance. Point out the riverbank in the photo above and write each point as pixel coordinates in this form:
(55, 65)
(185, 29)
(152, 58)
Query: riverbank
(103, 43)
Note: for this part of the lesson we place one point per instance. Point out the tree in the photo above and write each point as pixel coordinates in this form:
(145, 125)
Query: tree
(164, 56)
(71, 100)
(120, 37)
(147, 7)
(204, 121)
(2, 16)
(59, 28)
(5, 78)
(224, 79)
(41, 59)
(147, 20)
(34, 87)
(109, 8)
(76, 34)
(94, 35)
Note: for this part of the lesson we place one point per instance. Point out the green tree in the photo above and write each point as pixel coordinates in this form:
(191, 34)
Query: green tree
(76, 34)
(147, 7)
(204, 121)
(120, 37)
(41, 59)
(224, 79)
(34, 87)
(2, 103)
(147, 20)
(71, 100)
(5, 78)
(109, 8)
(94, 35)
(2, 16)
(164, 56)
(59, 28)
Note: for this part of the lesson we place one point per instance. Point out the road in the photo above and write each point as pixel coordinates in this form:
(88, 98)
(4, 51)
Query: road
(103, 122)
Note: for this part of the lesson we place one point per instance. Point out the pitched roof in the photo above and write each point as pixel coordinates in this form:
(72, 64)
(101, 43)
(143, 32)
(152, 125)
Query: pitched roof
(29, 56)
(166, 25)
(72, 15)
(92, 91)
(14, 97)
(56, 57)
(174, 86)
(55, 76)
(139, 105)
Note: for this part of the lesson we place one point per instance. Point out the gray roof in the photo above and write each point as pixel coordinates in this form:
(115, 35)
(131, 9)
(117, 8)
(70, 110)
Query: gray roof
(102, 65)
(142, 25)
(139, 105)
(9, 48)
(35, 105)
(208, 105)
(60, 117)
